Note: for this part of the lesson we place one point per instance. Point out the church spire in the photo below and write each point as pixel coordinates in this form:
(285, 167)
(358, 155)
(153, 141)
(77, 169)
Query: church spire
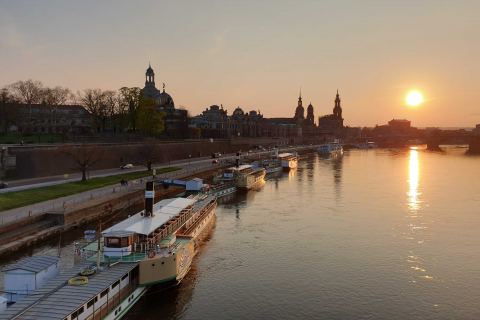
(300, 98)
(337, 110)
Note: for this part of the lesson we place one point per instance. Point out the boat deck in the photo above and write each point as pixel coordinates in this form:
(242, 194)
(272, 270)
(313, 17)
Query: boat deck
(57, 299)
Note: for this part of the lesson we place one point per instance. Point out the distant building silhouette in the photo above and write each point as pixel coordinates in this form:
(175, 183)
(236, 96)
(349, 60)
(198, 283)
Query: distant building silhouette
(215, 122)
(332, 123)
(400, 124)
(176, 120)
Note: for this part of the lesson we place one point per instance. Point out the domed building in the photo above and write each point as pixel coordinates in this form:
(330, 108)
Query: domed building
(162, 99)
(176, 122)
(213, 122)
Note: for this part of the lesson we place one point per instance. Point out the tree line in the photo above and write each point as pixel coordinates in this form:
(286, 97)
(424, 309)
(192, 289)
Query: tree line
(123, 110)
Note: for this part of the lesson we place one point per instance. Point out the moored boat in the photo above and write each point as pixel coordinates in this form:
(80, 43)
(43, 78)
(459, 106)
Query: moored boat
(288, 160)
(153, 248)
(244, 177)
(331, 149)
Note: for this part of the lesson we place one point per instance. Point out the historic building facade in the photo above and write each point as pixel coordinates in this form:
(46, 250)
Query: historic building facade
(176, 120)
(215, 122)
(44, 118)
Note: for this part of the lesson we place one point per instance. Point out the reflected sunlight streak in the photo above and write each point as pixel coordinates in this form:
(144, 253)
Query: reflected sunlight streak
(413, 181)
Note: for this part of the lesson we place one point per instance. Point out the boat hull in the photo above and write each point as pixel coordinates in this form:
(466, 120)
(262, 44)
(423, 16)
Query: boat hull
(289, 164)
(251, 181)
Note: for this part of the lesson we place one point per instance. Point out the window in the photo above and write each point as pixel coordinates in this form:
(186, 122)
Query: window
(80, 311)
(125, 276)
(124, 242)
(116, 283)
(113, 242)
(91, 302)
(104, 293)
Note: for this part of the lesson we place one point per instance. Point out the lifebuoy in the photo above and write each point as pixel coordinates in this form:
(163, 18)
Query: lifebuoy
(78, 281)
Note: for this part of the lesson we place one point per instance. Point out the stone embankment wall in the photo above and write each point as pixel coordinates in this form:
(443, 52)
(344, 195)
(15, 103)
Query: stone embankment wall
(34, 161)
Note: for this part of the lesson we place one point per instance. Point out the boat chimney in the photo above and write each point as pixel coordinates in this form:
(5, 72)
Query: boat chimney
(149, 199)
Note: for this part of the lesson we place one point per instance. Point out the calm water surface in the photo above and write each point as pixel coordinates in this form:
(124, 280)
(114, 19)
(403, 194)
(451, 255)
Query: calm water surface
(377, 234)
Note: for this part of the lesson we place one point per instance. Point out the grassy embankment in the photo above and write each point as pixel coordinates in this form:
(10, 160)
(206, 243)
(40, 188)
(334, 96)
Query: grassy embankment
(18, 199)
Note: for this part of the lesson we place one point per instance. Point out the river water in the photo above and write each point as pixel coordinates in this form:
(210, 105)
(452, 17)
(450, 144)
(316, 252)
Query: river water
(376, 234)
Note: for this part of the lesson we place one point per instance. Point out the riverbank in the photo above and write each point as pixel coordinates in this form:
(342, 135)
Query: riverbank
(22, 198)
(32, 230)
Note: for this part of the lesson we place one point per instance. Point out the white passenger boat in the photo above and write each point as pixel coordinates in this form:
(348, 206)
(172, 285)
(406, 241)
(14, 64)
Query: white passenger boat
(272, 165)
(244, 176)
(288, 160)
(154, 247)
(331, 149)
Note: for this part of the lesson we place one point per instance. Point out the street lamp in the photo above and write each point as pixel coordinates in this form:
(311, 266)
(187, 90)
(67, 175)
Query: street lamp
(2, 156)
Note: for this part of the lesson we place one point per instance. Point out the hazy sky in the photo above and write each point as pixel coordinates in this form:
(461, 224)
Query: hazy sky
(257, 54)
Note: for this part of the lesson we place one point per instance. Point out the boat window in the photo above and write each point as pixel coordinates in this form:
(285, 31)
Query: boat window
(125, 276)
(115, 284)
(124, 242)
(80, 311)
(104, 293)
(90, 303)
(113, 242)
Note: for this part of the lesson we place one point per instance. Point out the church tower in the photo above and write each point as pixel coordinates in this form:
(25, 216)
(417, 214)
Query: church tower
(337, 110)
(310, 115)
(149, 77)
(299, 111)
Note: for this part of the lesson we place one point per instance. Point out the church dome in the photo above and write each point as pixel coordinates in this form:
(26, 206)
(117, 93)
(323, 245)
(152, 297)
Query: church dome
(164, 100)
(238, 112)
(299, 110)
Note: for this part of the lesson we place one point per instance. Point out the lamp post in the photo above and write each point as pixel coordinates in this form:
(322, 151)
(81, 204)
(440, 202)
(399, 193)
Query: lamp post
(3, 152)
(3, 159)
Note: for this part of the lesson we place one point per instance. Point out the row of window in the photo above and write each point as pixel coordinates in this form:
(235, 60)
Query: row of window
(94, 300)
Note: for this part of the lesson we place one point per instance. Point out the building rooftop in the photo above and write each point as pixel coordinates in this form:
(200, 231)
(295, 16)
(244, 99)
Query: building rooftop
(162, 212)
(33, 264)
(62, 300)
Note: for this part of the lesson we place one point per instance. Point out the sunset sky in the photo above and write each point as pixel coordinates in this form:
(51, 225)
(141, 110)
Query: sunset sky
(257, 54)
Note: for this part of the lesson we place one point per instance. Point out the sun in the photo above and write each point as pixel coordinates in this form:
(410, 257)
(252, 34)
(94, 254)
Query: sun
(414, 98)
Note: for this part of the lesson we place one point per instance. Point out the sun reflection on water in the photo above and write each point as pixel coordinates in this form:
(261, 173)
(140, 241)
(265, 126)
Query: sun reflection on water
(417, 226)
(413, 181)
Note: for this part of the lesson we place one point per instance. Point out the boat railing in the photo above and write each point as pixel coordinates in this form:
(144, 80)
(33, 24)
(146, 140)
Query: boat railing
(112, 302)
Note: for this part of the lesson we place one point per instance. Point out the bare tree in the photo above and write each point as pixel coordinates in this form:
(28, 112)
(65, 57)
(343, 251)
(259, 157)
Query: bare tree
(92, 100)
(53, 97)
(148, 154)
(8, 109)
(57, 96)
(110, 101)
(84, 157)
(27, 92)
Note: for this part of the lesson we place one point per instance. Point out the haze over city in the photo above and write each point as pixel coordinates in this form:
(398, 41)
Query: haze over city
(258, 55)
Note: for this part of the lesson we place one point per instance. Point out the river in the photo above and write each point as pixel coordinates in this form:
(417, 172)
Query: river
(376, 234)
